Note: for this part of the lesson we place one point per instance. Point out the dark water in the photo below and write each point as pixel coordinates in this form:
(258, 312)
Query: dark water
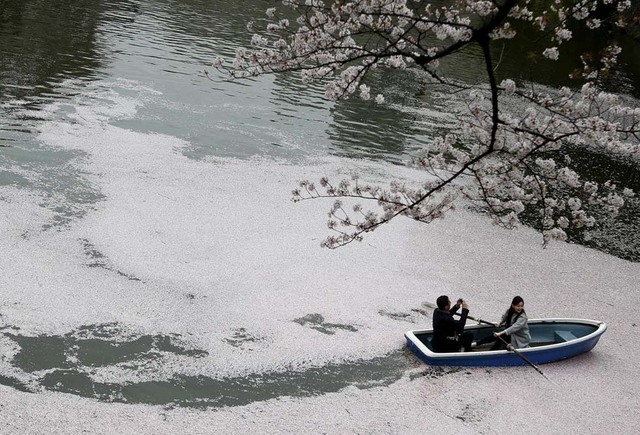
(53, 52)
(65, 361)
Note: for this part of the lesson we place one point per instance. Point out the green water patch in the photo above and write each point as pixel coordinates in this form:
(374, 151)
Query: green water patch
(8, 178)
(14, 383)
(39, 353)
(316, 322)
(205, 391)
(94, 346)
(68, 363)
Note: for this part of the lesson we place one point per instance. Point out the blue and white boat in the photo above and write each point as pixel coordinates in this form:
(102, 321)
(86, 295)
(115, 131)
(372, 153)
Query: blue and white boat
(551, 340)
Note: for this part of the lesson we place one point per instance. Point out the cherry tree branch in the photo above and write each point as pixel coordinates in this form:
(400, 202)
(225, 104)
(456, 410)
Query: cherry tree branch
(499, 157)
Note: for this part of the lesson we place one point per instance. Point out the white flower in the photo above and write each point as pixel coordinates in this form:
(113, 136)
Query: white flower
(574, 204)
(563, 34)
(364, 92)
(563, 222)
(509, 86)
(396, 62)
(551, 53)
(590, 188)
(555, 234)
(594, 23)
(258, 40)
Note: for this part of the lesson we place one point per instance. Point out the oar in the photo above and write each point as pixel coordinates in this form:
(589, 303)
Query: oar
(430, 305)
(509, 347)
(524, 358)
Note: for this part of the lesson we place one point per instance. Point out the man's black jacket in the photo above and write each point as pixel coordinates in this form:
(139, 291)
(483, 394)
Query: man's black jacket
(444, 325)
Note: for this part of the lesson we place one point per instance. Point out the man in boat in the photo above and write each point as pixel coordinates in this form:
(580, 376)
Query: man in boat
(448, 333)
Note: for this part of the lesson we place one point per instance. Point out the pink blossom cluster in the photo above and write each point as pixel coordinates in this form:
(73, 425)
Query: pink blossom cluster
(506, 161)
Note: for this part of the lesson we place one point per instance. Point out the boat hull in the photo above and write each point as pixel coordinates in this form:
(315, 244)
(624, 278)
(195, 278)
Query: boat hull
(552, 340)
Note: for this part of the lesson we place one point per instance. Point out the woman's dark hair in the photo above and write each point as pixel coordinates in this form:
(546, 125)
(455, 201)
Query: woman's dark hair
(511, 311)
(517, 300)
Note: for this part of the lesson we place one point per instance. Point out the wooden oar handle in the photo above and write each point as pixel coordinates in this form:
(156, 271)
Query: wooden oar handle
(480, 320)
(524, 358)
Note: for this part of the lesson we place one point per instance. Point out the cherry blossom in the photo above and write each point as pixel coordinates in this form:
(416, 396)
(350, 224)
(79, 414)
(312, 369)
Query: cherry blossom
(509, 160)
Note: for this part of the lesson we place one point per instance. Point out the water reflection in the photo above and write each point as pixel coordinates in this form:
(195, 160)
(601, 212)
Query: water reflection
(521, 58)
(42, 45)
(626, 77)
(48, 52)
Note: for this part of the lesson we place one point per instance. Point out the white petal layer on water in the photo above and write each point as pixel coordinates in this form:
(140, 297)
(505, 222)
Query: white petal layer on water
(206, 250)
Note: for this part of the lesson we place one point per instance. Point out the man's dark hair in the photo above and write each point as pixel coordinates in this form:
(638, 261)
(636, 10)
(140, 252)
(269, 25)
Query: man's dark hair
(442, 301)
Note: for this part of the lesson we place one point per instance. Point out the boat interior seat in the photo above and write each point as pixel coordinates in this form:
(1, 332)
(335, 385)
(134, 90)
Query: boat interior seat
(561, 336)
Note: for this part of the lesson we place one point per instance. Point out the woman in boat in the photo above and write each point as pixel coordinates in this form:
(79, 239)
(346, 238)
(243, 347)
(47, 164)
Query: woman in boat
(516, 325)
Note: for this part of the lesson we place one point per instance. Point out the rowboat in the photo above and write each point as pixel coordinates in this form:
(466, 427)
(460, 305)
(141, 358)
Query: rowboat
(551, 340)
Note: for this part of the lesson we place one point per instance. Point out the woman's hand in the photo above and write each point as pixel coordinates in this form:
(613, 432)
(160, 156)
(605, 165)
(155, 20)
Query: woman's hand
(497, 334)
